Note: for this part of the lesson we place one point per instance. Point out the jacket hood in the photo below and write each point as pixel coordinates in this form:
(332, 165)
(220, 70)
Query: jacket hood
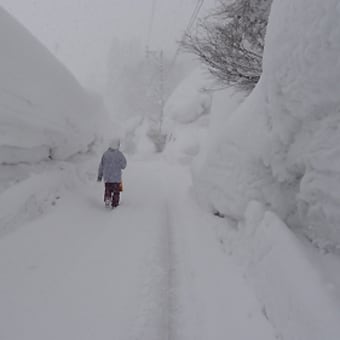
(114, 144)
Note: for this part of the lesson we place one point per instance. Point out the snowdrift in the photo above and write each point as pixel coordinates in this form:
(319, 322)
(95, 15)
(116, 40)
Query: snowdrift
(282, 146)
(35, 194)
(186, 117)
(296, 298)
(44, 112)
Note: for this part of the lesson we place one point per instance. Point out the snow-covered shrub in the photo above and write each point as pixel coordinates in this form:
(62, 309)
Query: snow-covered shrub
(44, 112)
(186, 116)
(230, 41)
(282, 146)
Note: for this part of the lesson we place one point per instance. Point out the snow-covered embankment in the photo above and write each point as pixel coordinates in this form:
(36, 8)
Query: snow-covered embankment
(44, 112)
(281, 148)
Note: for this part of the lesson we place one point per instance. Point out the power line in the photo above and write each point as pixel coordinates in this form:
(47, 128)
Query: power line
(151, 21)
(158, 55)
(191, 23)
(194, 15)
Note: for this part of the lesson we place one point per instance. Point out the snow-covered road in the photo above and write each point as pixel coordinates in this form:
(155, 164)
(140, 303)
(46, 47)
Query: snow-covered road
(150, 270)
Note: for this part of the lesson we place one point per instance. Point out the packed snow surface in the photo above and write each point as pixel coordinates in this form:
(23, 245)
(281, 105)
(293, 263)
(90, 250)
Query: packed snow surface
(151, 269)
(157, 267)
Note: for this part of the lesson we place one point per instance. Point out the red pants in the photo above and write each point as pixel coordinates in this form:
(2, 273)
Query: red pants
(112, 193)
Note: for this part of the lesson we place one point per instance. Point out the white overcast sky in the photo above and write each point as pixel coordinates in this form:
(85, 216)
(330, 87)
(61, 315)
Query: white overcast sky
(79, 32)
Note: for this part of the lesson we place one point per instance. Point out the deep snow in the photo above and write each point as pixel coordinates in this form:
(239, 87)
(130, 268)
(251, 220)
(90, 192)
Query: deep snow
(151, 269)
(281, 146)
(157, 267)
(160, 267)
(44, 112)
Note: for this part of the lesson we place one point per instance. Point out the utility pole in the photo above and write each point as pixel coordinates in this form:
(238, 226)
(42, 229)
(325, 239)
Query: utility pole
(161, 85)
(158, 57)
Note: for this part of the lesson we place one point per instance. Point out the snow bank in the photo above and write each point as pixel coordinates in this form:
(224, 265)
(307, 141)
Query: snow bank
(190, 100)
(44, 112)
(134, 134)
(192, 111)
(144, 145)
(303, 106)
(231, 173)
(186, 116)
(282, 145)
(296, 298)
(34, 195)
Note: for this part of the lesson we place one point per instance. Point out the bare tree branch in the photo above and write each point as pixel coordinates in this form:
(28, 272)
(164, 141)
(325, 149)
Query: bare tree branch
(230, 41)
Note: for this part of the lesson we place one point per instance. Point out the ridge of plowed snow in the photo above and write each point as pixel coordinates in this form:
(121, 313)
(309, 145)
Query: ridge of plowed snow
(44, 112)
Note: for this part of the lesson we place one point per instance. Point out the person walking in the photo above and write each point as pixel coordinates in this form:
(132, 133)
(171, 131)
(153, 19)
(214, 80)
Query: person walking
(110, 168)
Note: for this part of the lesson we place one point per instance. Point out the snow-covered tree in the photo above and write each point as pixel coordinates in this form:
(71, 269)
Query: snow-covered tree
(230, 41)
(139, 84)
(124, 79)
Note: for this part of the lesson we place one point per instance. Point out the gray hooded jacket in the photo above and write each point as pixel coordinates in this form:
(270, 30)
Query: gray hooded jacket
(111, 165)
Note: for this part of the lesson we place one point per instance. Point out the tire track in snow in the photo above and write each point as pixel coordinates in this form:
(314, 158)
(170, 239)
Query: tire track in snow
(156, 316)
(171, 273)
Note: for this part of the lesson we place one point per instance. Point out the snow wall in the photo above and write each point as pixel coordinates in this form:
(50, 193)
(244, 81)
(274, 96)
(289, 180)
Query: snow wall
(186, 117)
(299, 301)
(282, 145)
(44, 112)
